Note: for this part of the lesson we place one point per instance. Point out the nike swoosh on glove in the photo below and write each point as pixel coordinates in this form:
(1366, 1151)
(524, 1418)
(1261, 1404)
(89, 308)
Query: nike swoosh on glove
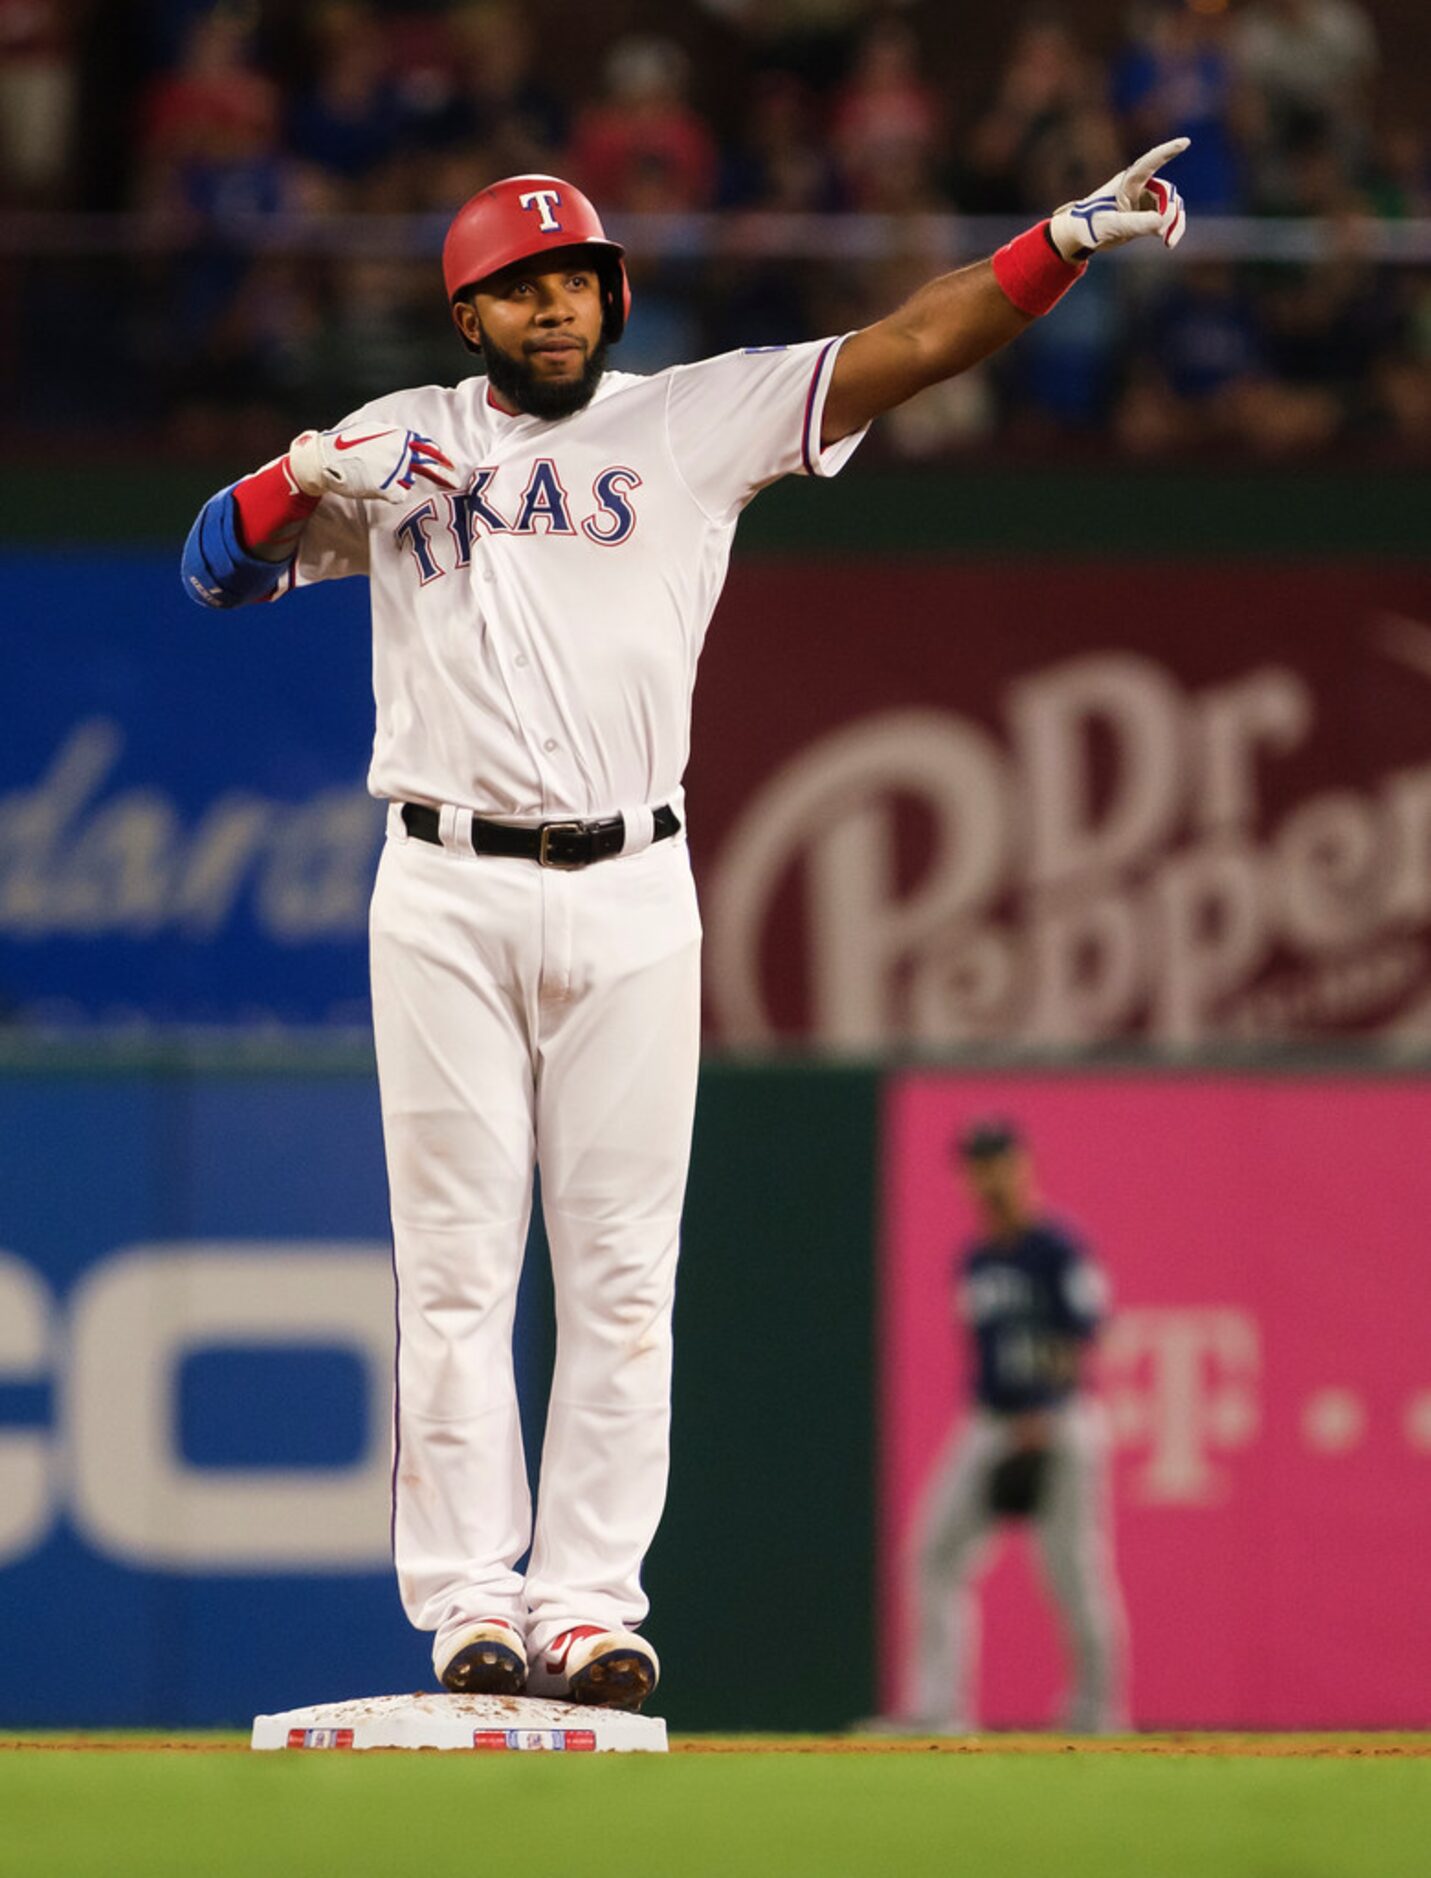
(1136, 202)
(373, 461)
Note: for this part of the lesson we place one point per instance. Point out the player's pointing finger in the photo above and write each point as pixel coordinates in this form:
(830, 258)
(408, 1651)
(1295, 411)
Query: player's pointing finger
(1153, 161)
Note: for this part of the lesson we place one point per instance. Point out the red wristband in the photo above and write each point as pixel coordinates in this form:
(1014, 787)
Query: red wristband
(1033, 274)
(269, 502)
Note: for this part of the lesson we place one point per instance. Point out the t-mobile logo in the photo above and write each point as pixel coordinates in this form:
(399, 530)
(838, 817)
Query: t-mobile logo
(544, 200)
(1183, 1385)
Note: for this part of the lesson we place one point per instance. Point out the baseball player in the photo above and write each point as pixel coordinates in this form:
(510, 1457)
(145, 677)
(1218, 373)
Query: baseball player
(544, 545)
(1031, 1301)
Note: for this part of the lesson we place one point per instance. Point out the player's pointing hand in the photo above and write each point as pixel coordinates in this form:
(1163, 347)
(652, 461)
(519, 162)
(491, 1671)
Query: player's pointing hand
(376, 461)
(1136, 202)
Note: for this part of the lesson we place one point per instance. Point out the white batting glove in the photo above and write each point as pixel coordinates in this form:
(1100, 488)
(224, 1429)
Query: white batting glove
(1136, 202)
(374, 460)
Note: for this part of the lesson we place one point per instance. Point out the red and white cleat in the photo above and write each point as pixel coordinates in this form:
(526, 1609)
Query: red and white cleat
(488, 1658)
(599, 1667)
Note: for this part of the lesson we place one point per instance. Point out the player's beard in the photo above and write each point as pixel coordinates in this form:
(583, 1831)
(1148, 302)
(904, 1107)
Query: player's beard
(517, 381)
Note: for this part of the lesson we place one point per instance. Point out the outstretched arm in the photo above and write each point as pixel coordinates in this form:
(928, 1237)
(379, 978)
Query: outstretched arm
(956, 320)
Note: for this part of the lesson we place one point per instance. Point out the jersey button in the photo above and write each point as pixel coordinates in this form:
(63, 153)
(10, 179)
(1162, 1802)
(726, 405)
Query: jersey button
(549, 745)
(520, 659)
(487, 574)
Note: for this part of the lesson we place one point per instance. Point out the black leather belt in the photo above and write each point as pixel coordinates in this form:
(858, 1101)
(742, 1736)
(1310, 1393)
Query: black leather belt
(553, 844)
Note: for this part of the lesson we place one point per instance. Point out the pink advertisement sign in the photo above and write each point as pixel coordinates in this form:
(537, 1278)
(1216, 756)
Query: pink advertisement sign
(1266, 1377)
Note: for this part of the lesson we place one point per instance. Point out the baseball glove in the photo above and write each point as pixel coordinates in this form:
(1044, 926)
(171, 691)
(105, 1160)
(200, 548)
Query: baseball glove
(1018, 1483)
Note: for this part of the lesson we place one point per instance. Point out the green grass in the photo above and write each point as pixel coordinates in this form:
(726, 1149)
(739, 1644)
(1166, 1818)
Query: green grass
(1009, 1815)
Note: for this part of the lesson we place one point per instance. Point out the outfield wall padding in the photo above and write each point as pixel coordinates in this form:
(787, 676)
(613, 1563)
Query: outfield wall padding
(195, 1348)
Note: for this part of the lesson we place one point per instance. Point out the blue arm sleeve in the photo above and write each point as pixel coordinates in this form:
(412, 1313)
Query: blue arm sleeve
(216, 567)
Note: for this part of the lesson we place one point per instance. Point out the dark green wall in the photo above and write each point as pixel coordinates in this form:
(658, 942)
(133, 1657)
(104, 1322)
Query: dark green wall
(762, 1578)
(1161, 510)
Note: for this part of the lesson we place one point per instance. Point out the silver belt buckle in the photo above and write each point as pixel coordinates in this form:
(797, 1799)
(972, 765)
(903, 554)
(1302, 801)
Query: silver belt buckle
(544, 855)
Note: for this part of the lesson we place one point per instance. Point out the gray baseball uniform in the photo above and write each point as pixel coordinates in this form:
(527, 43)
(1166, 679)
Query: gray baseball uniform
(1028, 1301)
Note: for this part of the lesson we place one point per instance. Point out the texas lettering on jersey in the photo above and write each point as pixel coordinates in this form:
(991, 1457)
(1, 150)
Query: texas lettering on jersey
(544, 508)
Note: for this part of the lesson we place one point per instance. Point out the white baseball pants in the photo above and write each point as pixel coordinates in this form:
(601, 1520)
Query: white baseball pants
(525, 1015)
(1074, 1532)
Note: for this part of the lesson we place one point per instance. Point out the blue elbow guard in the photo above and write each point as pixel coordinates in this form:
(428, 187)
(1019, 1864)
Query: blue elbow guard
(217, 568)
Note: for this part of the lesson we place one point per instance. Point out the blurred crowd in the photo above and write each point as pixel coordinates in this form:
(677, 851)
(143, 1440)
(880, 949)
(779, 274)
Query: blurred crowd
(203, 117)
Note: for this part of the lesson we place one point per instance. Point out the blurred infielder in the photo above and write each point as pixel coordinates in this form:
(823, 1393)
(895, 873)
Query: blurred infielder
(1031, 1301)
(545, 546)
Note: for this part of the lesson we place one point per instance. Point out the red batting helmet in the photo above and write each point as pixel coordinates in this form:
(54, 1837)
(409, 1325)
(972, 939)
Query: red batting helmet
(522, 216)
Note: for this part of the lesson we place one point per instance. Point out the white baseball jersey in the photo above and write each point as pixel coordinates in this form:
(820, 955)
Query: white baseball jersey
(535, 635)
